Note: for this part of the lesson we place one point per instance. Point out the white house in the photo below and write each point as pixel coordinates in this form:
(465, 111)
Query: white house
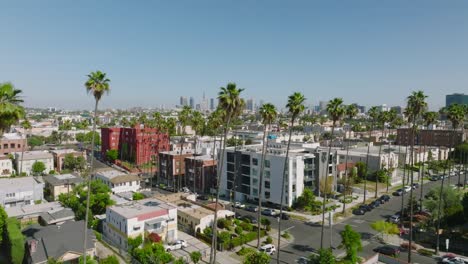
(20, 191)
(6, 166)
(118, 181)
(135, 218)
(24, 163)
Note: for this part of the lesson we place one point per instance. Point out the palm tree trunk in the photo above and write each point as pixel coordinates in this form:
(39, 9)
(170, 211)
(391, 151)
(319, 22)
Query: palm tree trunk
(422, 178)
(439, 210)
(403, 183)
(282, 191)
(380, 166)
(347, 179)
(233, 187)
(459, 165)
(367, 163)
(411, 194)
(219, 172)
(325, 188)
(89, 183)
(260, 185)
(465, 169)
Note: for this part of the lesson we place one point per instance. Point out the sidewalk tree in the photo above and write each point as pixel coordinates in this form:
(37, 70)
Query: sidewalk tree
(351, 242)
(38, 167)
(112, 155)
(385, 228)
(257, 258)
(195, 256)
(324, 256)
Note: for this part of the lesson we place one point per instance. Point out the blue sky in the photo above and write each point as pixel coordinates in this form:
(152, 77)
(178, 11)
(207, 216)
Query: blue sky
(372, 52)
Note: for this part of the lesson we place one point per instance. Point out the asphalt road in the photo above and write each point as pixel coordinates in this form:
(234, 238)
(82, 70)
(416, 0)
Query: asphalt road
(307, 236)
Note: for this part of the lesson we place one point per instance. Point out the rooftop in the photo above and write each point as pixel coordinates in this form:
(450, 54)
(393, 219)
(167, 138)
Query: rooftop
(62, 179)
(203, 157)
(12, 136)
(19, 211)
(141, 207)
(64, 151)
(54, 216)
(33, 155)
(9, 185)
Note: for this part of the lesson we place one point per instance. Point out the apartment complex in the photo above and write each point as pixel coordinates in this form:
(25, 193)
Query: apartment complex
(437, 138)
(138, 144)
(306, 167)
(12, 142)
(24, 161)
(132, 219)
(172, 168)
(20, 191)
(59, 156)
(119, 182)
(200, 172)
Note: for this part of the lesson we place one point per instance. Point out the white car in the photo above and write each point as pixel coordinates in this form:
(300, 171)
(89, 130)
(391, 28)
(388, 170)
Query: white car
(176, 245)
(407, 188)
(239, 205)
(268, 248)
(394, 219)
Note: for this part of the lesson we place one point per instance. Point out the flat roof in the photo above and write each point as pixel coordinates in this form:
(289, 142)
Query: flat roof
(137, 208)
(32, 155)
(8, 185)
(12, 136)
(18, 211)
(64, 151)
(62, 179)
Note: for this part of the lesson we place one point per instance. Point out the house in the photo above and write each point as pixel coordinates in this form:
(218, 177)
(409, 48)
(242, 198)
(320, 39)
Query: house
(24, 161)
(59, 156)
(6, 166)
(62, 242)
(56, 216)
(20, 191)
(147, 216)
(118, 181)
(28, 213)
(58, 184)
(12, 142)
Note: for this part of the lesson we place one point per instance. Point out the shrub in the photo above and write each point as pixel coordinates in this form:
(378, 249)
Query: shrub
(286, 235)
(238, 230)
(138, 196)
(195, 256)
(246, 226)
(208, 231)
(245, 251)
(426, 252)
(14, 241)
(112, 259)
(237, 221)
(269, 240)
(222, 223)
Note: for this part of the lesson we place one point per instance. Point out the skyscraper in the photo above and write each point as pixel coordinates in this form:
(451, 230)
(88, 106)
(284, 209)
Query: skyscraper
(212, 104)
(250, 105)
(456, 98)
(183, 101)
(192, 102)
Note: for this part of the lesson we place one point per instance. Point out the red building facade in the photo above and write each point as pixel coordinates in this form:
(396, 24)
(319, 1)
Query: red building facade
(137, 145)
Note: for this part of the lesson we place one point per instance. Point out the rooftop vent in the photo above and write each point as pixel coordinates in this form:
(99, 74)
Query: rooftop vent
(151, 203)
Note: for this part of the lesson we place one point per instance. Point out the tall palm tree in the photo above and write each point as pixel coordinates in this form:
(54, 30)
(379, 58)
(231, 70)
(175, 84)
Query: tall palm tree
(26, 125)
(336, 111)
(197, 122)
(429, 118)
(394, 122)
(184, 120)
(97, 85)
(382, 118)
(351, 111)
(456, 115)
(374, 115)
(295, 107)
(268, 113)
(416, 106)
(11, 110)
(233, 105)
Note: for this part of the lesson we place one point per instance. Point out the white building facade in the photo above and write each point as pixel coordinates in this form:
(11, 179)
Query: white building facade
(20, 191)
(24, 163)
(118, 181)
(6, 166)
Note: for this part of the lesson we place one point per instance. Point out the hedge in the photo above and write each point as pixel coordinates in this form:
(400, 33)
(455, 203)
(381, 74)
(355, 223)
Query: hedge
(14, 241)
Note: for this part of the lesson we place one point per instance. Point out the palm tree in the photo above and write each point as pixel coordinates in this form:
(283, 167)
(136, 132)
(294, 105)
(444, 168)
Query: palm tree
(268, 113)
(233, 105)
(394, 122)
(382, 118)
(184, 120)
(11, 110)
(456, 115)
(336, 111)
(373, 114)
(26, 125)
(97, 84)
(416, 106)
(351, 111)
(429, 118)
(295, 107)
(197, 122)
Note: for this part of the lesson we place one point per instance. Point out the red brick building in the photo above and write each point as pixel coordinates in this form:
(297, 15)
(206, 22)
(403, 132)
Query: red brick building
(136, 145)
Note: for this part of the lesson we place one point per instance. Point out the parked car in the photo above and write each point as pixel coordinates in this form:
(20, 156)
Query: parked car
(203, 197)
(268, 248)
(269, 212)
(374, 204)
(359, 212)
(303, 260)
(238, 216)
(176, 245)
(406, 188)
(365, 207)
(384, 198)
(285, 216)
(415, 186)
(239, 205)
(387, 250)
(398, 192)
(434, 178)
(452, 260)
(252, 208)
(394, 219)
(249, 218)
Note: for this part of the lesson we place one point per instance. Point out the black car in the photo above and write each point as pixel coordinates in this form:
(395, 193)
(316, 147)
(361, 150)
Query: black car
(398, 192)
(384, 198)
(251, 208)
(203, 197)
(415, 185)
(238, 216)
(359, 212)
(285, 216)
(249, 218)
(374, 204)
(365, 207)
(387, 250)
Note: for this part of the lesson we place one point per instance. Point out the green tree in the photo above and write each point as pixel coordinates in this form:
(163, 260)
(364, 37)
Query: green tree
(138, 196)
(134, 243)
(385, 228)
(336, 111)
(152, 253)
(324, 256)
(11, 110)
(35, 141)
(89, 260)
(269, 114)
(69, 162)
(232, 105)
(257, 258)
(351, 242)
(195, 256)
(112, 155)
(89, 138)
(38, 168)
(112, 259)
(97, 84)
(13, 241)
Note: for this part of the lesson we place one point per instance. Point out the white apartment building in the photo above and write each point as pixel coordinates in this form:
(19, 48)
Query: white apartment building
(118, 181)
(132, 219)
(388, 159)
(307, 165)
(20, 191)
(25, 162)
(6, 166)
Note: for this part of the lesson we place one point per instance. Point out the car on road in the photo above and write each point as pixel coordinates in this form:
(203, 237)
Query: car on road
(384, 198)
(302, 260)
(452, 260)
(251, 208)
(394, 219)
(268, 248)
(176, 245)
(434, 178)
(415, 186)
(285, 216)
(239, 205)
(269, 212)
(374, 204)
(249, 218)
(407, 188)
(365, 207)
(398, 192)
(387, 250)
(359, 212)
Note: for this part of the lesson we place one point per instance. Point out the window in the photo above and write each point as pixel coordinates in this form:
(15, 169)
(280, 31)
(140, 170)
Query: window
(267, 184)
(267, 195)
(254, 161)
(230, 157)
(12, 145)
(294, 188)
(254, 181)
(254, 192)
(267, 164)
(267, 174)
(136, 228)
(254, 172)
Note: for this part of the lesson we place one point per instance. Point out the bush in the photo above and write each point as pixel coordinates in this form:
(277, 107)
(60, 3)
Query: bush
(238, 230)
(14, 241)
(246, 226)
(269, 240)
(245, 251)
(286, 235)
(426, 252)
(222, 223)
(112, 259)
(138, 196)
